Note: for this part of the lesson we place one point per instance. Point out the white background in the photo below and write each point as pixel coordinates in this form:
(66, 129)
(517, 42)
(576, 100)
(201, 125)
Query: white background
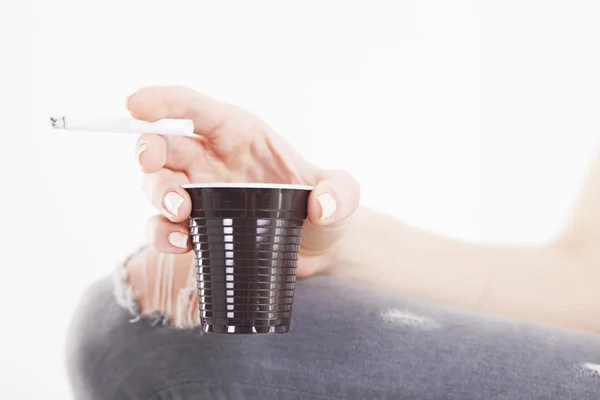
(471, 119)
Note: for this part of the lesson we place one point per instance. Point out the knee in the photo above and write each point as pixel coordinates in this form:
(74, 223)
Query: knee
(164, 286)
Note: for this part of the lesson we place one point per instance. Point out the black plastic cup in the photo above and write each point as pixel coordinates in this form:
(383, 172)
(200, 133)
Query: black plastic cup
(246, 238)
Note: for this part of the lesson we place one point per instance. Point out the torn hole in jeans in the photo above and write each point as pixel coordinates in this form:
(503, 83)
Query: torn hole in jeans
(183, 314)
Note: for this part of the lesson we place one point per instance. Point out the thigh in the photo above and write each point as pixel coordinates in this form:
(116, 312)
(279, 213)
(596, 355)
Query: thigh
(346, 342)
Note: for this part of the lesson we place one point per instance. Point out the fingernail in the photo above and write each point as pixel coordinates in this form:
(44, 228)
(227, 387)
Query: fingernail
(328, 205)
(172, 202)
(178, 239)
(142, 148)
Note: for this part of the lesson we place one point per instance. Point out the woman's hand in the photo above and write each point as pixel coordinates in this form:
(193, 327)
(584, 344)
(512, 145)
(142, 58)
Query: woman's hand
(232, 145)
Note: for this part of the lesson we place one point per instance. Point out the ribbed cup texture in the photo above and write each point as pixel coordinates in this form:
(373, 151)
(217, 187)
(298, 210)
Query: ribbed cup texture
(246, 242)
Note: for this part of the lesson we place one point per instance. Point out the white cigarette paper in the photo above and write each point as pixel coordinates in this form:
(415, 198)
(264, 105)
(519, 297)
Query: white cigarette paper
(175, 127)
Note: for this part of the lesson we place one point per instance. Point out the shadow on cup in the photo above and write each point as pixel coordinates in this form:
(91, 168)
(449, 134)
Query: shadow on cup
(246, 239)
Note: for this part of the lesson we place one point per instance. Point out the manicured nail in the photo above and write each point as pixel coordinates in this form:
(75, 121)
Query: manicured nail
(142, 148)
(172, 202)
(328, 205)
(178, 239)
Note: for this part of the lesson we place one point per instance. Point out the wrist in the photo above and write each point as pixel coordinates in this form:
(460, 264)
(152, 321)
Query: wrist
(347, 253)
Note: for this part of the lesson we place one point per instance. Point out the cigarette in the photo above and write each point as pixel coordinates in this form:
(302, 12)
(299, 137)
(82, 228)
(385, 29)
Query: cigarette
(174, 127)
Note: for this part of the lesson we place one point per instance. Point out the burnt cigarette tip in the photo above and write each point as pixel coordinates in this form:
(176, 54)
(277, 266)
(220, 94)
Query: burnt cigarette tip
(57, 122)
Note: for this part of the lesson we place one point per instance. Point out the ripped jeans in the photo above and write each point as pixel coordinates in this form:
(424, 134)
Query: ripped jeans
(346, 342)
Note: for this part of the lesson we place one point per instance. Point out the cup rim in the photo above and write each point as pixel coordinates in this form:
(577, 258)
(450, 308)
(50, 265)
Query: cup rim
(245, 185)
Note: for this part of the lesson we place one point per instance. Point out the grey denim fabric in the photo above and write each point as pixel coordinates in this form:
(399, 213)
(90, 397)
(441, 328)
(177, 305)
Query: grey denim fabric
(347, 342)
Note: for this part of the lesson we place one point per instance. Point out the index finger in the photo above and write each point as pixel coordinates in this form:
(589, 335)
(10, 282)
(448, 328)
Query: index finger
(156, 102)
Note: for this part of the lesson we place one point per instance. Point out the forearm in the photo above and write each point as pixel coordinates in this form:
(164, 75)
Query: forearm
(540, 284)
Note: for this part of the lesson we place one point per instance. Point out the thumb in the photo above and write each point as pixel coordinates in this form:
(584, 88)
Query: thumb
(334, 198)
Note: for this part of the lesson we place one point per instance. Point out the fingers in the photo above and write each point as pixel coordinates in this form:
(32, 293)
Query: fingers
(154, 152)
(333, 199)
(151, 152)
(167, 236)
(156, 102)
(163, 189)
